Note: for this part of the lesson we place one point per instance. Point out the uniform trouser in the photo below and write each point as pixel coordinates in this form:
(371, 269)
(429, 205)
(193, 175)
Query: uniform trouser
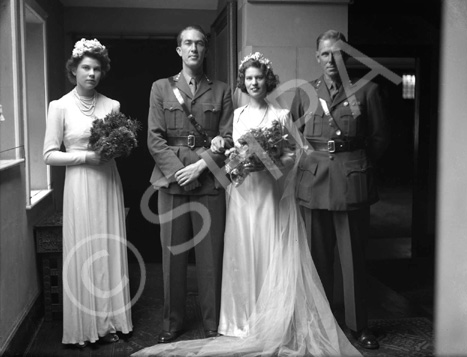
(179, 229)
(349, 229)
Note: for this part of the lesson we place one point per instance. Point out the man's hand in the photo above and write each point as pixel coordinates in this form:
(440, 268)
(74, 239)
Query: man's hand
(217, 145)
(190, 173)
(288, 158)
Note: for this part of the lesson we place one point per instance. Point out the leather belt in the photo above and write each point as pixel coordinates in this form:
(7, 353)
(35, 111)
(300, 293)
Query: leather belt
(191, 141)
(337, 145)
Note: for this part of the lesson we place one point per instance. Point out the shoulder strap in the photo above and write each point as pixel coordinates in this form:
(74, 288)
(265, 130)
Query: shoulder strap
(324, 105)
(190, 116)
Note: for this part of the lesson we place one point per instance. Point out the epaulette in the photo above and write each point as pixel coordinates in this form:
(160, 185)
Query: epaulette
(207, 79)
(316, 83)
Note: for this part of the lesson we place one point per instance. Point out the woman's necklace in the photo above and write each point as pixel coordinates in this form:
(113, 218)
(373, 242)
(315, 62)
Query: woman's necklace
(86, 105)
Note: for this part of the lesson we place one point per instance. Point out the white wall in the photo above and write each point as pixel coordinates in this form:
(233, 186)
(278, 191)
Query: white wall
(286, 34)
(451, 277)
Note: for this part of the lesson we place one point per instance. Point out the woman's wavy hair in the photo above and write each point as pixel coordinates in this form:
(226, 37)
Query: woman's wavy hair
(99, 54)
(272, 80)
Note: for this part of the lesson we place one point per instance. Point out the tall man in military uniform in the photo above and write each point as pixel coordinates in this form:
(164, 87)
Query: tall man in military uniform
(335, 188)
(177, 144)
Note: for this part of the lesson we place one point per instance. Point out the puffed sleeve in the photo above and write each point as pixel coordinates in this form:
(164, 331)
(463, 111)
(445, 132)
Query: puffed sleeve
(115, 106)
(54, 138)
(297, 108)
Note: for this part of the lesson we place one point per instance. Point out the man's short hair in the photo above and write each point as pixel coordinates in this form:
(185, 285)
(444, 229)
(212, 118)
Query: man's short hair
(193, 27)
(330, 35)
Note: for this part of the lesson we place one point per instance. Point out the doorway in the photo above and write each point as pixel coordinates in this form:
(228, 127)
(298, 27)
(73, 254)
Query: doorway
(391, 217)
(135, 65)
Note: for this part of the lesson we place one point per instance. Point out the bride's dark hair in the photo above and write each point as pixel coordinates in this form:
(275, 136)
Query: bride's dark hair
(272, 80)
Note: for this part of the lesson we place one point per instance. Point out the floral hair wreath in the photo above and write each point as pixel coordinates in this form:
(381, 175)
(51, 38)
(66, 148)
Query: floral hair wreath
(256, 57)
(84, 45)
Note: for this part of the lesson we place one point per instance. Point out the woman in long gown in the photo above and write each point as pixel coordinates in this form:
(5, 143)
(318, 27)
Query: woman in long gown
(273, 303)
(96, 298)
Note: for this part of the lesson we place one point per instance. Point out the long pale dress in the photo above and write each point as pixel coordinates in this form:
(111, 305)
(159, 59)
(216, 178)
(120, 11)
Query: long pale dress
(96, 297)
(273, 303)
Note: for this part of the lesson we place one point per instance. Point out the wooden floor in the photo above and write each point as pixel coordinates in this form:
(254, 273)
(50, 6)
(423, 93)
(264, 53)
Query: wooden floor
(394, 295)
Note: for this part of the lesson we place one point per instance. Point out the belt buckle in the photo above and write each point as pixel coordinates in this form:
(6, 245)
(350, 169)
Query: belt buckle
(331, 146)
(191, 141)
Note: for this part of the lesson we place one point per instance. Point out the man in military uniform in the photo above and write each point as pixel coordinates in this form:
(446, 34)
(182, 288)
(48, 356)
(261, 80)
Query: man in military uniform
(348, 133)
(176, 143)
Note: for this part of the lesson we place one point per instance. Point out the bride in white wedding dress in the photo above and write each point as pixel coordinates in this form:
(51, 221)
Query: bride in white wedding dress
(273, 303)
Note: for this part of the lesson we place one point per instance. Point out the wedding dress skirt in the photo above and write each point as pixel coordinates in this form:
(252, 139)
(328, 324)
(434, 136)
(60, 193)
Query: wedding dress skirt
(273, 303)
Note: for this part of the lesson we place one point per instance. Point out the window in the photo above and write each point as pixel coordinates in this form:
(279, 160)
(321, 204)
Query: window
(35, 102)
(23, 93)
(408, 86)
(11, 149)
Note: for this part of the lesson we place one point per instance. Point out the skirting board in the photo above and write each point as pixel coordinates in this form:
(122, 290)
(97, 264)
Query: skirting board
(19, 342)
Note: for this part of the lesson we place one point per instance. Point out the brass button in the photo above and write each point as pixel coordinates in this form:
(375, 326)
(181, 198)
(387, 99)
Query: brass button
(331, 157)
(193, 102)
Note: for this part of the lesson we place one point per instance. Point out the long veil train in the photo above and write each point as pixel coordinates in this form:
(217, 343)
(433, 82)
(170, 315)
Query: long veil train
(292, 316)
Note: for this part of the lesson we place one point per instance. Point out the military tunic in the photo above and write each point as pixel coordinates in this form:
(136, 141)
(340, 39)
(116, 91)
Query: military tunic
(335, 184)
(172, 149)
(341, 181)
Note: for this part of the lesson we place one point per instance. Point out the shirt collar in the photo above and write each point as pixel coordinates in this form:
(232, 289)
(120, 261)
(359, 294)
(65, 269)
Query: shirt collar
(188, 78)
(329, 82)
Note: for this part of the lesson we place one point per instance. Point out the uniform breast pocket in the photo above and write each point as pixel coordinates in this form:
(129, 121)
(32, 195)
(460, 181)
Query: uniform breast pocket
(345, 124)
(314, 124)
(211, 115)
(173, 115)
(348, 117)
(359, 181)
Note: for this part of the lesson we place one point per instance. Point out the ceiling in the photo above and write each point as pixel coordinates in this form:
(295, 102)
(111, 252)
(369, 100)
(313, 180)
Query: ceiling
(146, 4)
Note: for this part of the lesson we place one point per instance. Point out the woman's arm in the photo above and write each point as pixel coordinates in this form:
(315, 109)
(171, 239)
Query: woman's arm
(54, 138)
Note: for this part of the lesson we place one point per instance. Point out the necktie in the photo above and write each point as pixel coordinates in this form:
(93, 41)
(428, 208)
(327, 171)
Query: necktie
(193, 85)
(334, 90)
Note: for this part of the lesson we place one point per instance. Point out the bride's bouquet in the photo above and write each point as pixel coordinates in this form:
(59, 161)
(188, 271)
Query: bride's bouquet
(259, 149)
(114, 136)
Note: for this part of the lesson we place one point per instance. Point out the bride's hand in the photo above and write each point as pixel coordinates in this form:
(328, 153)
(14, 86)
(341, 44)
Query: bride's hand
(217, 145)
(93, 158)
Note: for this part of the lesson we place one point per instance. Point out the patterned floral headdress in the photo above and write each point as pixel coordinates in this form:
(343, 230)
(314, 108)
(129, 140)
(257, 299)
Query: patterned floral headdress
(84, 45)
(256, 57)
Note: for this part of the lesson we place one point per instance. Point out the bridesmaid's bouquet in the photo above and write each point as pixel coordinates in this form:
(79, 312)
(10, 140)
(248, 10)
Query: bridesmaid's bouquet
(259, 149)
(114, 136)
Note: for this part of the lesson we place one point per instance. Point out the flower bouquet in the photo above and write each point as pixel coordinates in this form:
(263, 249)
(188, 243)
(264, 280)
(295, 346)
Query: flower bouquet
(259, 149)
(113, 136)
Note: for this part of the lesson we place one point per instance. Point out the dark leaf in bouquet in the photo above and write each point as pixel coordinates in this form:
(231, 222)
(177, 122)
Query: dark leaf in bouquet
(259, 146)
(114, 136)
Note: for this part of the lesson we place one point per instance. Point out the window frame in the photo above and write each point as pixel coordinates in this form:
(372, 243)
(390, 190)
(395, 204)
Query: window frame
(33, 196)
